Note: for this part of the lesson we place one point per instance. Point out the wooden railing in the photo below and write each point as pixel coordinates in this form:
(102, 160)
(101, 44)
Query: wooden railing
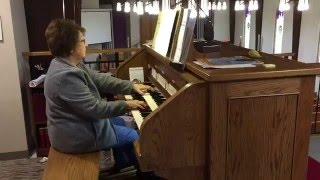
(89, 51)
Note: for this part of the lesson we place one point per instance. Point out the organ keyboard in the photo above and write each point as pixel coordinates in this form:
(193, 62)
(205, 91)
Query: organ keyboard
(205, 123)
(153, 100)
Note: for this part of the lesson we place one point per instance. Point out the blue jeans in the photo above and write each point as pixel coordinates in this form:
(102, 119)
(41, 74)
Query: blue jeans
(123, 151)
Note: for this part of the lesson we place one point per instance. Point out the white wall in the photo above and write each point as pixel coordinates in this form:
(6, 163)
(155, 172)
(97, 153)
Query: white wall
(253, 31)
(309, 35)
(239, 27)
(134, 28)
(287, 30)
(90, 4)
(268, 25)
(222, 25)
(12, 126)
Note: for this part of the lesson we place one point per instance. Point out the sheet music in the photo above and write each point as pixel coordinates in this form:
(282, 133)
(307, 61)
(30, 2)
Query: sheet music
(136, 73)
(164, 29)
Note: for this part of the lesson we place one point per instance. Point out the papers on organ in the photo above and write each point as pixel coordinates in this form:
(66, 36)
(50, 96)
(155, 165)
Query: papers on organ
(136, 73)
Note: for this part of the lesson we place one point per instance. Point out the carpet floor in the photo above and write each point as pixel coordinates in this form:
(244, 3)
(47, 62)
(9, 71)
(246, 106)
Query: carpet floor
(24, 169)
(32, 169)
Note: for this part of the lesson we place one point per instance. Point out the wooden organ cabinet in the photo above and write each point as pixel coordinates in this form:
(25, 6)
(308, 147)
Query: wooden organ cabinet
(245, 123)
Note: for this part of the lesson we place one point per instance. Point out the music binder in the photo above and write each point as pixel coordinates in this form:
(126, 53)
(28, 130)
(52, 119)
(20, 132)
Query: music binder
(181, 35)
(176, 32)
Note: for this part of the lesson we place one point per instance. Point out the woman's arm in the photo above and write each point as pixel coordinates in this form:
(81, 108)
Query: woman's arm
(109, 84)
(73, 91)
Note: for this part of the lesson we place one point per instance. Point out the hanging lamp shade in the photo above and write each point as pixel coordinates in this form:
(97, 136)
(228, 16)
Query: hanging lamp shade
(126, 7)
(224, 5)
(118, 6)
(140, 10)
(303, 5)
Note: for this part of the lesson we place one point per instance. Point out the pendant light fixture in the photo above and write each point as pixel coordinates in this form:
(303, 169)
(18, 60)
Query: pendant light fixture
(135, 9)
(214, 6)
(284, 6)
(127, 7)
(253, 5)
(303, 5)
(239, 6)
(118, 6)
(224, 5)
(218, 5)
(140, 10)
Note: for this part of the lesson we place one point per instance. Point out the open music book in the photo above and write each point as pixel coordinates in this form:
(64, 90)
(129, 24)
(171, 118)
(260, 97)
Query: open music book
(227, 62)
(174, 34)
(163, 33)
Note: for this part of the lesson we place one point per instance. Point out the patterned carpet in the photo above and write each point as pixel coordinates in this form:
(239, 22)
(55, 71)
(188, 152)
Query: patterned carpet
(25, 169)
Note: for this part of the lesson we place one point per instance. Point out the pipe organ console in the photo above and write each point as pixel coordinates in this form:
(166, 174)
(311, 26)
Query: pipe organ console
(245, 123)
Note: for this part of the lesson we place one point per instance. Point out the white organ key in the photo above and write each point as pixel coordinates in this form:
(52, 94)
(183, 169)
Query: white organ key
(150, 101)
(171, 90)
(137, 117)
(128, 97)
(135, 113)
(154, 73)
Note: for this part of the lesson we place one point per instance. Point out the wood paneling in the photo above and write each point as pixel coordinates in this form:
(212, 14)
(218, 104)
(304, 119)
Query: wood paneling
(263, 126)
(39, 13)
(148, 25)
(179, 135)
(73, 10)
(217, 131)
(303, 128)
(260, 137)
(271, 87)
(121, 29)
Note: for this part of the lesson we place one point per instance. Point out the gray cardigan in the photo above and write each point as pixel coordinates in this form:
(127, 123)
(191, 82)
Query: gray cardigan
(77, 115)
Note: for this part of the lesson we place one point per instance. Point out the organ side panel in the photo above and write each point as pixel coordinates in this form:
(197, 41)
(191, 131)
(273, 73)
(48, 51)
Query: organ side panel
(174, 137)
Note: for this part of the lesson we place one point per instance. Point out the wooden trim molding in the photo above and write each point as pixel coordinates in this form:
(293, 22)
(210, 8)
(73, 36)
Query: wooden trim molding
(296, 30)
(232, 19)
(89, 51)
(13, 155)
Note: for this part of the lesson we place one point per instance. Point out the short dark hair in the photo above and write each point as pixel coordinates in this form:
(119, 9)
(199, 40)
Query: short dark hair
(62, 36)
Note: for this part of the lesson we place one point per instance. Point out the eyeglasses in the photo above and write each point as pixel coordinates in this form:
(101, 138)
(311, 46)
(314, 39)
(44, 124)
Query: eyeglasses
(83, 40)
